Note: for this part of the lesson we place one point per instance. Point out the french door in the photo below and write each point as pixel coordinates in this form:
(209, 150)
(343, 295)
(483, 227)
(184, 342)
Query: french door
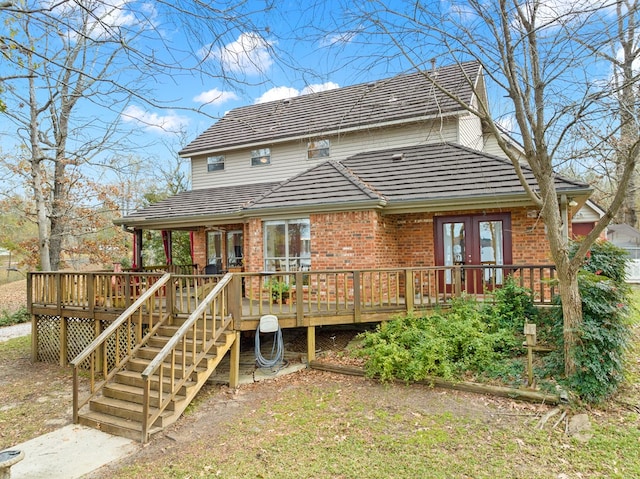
(473, 240)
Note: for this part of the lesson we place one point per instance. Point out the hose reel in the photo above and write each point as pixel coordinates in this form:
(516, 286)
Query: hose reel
(269, 324)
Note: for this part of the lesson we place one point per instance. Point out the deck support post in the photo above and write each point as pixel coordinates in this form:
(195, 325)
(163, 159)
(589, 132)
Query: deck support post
(234, 360)
(64, 331)
(311, 344)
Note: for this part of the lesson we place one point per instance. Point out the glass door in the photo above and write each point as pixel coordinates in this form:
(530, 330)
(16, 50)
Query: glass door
(480, 243)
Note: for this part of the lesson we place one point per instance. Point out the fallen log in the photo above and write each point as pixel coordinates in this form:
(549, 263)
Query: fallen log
(501, 391)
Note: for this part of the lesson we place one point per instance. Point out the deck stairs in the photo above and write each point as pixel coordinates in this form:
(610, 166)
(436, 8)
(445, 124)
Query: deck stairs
(119, 408)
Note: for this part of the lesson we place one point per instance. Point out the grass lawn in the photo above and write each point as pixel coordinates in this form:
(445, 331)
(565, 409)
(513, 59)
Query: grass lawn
(321, 425)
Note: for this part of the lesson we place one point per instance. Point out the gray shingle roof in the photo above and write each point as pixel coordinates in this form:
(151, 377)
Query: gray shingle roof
(425, 173)
(400, 98)
(209, 202)
(324, 184)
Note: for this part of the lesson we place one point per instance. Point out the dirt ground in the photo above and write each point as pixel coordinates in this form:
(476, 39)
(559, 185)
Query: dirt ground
(13, 296)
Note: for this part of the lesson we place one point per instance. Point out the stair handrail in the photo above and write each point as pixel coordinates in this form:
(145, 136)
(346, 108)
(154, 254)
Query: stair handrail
(98, 342)
(169, 348)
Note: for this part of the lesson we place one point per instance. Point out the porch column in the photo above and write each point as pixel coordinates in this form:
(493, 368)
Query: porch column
(137, 249)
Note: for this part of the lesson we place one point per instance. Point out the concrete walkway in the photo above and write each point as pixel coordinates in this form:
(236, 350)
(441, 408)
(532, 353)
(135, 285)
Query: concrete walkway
(70, 453)
(15, 331)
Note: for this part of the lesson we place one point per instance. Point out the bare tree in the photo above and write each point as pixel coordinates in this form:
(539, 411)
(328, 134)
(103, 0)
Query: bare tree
(63, 56)
(541, 61)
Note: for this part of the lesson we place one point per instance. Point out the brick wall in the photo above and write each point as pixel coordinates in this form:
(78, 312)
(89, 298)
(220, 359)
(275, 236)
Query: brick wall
(367, 239)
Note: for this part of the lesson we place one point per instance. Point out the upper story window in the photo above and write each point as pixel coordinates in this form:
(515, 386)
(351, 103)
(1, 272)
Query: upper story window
(261, 157)
(318, 149)
(215, 163)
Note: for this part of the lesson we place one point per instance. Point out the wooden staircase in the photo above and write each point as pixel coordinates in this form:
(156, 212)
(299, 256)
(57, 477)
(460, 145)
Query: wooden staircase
(118, 409)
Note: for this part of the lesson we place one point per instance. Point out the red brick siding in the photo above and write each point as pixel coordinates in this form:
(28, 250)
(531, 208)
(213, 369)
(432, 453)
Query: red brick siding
(367, 240)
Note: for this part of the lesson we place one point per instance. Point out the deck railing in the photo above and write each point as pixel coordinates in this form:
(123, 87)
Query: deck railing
(88, 290)
(124, 337)
(311, 297)
(191, 344)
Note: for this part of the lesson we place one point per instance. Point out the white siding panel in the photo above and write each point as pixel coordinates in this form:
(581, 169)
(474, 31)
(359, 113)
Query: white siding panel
(470, 132)
(491, 147)
(288, 159)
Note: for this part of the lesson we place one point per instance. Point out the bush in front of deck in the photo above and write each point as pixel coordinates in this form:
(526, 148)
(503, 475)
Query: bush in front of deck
(470, 338)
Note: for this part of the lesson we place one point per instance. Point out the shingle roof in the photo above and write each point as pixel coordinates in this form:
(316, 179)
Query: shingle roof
(208, 202)
(400, 176)
(425, 175)
(326, 183)
(403, 97)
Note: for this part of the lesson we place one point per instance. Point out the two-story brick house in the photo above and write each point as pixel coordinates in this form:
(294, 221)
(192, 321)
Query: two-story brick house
(392, 173)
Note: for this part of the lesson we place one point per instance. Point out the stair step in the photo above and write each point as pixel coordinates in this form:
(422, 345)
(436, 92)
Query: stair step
(167, 330)
(114, 425)
(119, 409)
(133, 378)
(150, 352)
(139, 365)
(159, 341)
(135, 394)
(128, 410)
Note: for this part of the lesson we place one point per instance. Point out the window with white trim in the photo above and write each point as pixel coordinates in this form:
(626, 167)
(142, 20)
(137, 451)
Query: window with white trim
(215, 163)
(261, 157)
(287, 245)
(318, 149)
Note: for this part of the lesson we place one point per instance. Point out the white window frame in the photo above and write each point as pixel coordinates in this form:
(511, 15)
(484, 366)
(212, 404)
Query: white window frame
(215, 163)
(286, 262)
(318, 149)
(261, 157)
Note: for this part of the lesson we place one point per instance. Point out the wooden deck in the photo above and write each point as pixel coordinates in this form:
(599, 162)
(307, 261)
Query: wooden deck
(93, 300)
(149, 341)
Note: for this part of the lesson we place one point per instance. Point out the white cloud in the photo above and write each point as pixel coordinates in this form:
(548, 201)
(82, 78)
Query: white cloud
(215, 97)
(282, 92)
(277, 93)
(105, 19)
(318, 87)
(249, 54)
(552, 13)
(153, 122)
(338, 39)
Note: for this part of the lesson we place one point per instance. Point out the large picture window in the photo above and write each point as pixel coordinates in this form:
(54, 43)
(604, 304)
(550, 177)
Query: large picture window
(287, 245)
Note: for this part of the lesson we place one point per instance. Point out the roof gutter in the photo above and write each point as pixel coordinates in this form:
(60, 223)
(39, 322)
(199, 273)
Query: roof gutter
(493, 201)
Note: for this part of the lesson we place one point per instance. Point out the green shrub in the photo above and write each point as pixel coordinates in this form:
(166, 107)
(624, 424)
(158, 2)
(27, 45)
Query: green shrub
(446, 344)
(605, 259)
(19, 316)
(604, 333)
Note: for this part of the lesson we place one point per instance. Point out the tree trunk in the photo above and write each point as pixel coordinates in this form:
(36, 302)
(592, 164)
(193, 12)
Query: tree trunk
(571, 313)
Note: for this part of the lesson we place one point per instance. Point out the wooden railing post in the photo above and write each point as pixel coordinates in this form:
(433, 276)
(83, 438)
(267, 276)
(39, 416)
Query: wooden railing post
(357, 298)
(299, 299)
(91, 292)
(235, 300)
(409, 293)
(34, 322)
(457, 281)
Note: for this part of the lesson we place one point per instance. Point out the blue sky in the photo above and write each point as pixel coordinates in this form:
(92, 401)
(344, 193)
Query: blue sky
(274, 54)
